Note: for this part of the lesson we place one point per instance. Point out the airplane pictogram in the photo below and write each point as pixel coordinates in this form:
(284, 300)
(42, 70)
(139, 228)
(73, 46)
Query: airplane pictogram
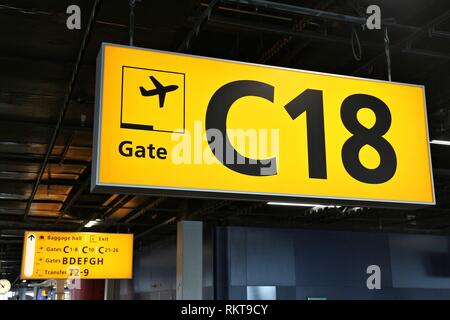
(159, 90)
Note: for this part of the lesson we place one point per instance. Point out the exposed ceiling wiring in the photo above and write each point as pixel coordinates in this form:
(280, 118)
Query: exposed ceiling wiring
(24, 11)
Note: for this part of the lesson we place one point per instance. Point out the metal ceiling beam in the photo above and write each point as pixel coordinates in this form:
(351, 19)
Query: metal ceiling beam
(81, 53)
(154, 203)
(115, 205)
(439, 34)
(44, 125)
(68, 204)
(251, 13)
(15, 257)
(206, 14)
(45, 181)
(405, 42)
(314, 13)
(99, 207)
(9, 242)
(281, 43)
(270, 28)
(427, 53)
(267, 28)
(155, 228)
(213, 206)
(441, 172)
(6, 218)
(33, 226)
(36, 158)
(118, 202)
(11, 256)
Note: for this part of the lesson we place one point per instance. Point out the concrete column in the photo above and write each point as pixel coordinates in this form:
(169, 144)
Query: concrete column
(35, 292)
(22, 292)
(112, 289)
(189, 260)
(59, 293)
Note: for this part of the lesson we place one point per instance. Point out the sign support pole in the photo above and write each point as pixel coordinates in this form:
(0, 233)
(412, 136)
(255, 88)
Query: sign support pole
(189, 260)
(59, 295)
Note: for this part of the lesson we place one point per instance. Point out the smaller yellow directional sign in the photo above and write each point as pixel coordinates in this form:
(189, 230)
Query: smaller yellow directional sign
(85, 255)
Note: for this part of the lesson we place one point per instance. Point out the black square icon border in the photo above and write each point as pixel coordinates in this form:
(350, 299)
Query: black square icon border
(151, 127)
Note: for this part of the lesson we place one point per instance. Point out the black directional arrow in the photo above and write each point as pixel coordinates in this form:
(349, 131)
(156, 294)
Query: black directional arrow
(31, 237)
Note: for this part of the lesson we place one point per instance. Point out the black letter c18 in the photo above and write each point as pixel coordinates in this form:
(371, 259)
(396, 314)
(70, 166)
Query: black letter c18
(216, 118)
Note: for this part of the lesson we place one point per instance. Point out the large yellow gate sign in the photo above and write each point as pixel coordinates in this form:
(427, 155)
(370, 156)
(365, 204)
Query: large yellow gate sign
(185, 125)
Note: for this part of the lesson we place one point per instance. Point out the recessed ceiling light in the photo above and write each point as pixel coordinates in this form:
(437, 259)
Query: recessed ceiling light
(294, 204)
(92, 223)
(441, 142)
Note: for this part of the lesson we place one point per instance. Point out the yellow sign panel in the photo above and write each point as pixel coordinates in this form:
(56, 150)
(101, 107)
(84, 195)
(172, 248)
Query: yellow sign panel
(72, 255)
(178, 124)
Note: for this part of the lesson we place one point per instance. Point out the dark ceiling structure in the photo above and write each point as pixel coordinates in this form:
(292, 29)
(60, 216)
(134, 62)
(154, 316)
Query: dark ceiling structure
(47, 84)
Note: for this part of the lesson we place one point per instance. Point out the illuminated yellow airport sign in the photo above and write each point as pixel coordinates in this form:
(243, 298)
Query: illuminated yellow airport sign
(177, 124)
(72, 255)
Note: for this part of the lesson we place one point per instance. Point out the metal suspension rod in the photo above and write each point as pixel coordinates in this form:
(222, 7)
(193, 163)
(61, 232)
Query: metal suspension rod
(388, 53)
(76, 70)
(132, 5)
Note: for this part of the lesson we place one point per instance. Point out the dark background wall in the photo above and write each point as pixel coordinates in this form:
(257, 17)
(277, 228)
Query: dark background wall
(302, 264)
(154, 271)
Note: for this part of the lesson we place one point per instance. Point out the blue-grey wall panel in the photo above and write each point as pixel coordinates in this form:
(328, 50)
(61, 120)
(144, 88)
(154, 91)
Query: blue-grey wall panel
(342, 293)
(421, 294)
(237, 293)
(270, 252)
(221, 263)
(126, 290)
(237, 256)
(307, 263)
(286, 293)
(333, 264)
(420, 261)
(327, 258)
(208, 261)
(155, 268)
